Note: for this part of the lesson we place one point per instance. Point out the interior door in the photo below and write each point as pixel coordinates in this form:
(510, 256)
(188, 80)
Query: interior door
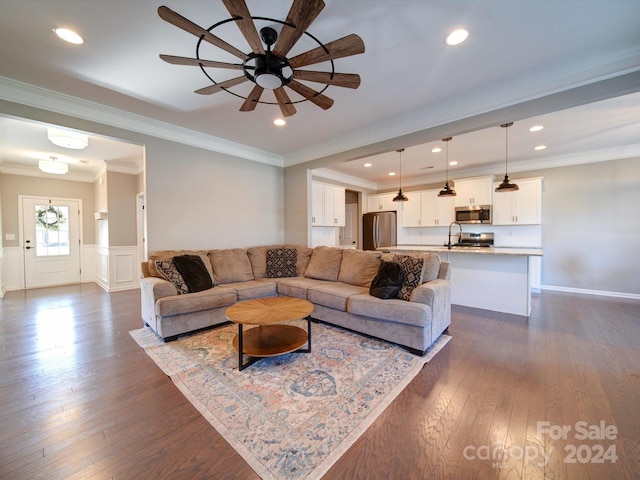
(51, 241)
(349, 233)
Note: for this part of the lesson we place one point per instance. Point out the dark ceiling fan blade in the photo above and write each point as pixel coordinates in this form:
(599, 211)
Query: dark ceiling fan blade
(219, 86)
(252, 100)
(286, 107)
(348, 80)
(301, 14)
(196, 62)
(311, 95)
(179, 21)
(343, 47)
(238, 8)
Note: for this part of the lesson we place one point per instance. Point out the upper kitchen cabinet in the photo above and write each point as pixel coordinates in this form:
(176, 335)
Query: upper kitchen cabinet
(327, 205)
(381, 202)
(426, 209)
(521, 207)
(473, 191)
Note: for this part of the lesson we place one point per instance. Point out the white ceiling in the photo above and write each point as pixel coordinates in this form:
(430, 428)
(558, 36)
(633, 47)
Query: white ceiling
(411, 81)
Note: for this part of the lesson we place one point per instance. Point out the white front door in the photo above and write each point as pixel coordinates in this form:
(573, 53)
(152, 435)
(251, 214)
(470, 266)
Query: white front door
(51, 241)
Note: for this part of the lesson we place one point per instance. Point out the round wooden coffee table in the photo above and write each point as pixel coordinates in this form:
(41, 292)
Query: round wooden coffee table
(271, 337)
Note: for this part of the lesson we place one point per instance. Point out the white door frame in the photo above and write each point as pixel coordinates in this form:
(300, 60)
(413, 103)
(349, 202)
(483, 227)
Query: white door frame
(141, 224)
(21, 199)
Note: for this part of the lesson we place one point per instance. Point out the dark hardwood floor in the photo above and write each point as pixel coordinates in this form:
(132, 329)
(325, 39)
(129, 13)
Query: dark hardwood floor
(80, 399)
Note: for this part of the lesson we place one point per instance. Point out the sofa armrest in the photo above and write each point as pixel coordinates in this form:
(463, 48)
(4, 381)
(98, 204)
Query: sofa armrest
(151, 289)
(157, 287)
(437, 295)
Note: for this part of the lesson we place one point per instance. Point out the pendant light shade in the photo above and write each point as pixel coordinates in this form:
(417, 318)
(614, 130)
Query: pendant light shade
(447, 191)
(400, 197)
(506, 185)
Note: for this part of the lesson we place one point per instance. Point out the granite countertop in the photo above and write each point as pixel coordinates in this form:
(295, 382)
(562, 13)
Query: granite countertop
(520, 251)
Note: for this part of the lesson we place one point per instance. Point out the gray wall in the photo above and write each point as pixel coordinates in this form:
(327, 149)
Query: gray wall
(590, 229)
(121, 195)
(14, 185)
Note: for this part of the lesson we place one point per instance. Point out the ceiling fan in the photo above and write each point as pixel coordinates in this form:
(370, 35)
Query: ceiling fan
(267, 65)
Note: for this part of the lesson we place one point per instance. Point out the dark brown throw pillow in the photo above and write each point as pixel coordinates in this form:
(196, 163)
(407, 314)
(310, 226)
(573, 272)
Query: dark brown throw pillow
(195, 274)
(388, 281)
(282, 262)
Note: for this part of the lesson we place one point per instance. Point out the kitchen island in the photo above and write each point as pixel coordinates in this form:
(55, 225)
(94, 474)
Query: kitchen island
(491, 278)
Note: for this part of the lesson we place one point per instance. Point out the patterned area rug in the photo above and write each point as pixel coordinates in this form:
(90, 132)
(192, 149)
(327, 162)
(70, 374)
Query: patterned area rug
(292, 416)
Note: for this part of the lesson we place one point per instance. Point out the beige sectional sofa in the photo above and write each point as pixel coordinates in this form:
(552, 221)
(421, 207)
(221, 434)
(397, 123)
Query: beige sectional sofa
(335, 280)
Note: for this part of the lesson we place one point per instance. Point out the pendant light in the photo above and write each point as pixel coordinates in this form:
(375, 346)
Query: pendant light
(506, 185)
(447, 191)
(400, 197)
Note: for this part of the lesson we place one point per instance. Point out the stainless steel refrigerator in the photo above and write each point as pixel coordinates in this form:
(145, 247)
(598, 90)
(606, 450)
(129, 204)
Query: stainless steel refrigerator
(378, 230)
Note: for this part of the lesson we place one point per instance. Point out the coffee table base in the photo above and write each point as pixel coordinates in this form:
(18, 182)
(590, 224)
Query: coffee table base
(270, 341)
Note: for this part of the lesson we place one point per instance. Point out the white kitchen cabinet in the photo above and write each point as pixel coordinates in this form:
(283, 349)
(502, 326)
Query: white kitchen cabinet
(521, 207)
(412, 210)
(317, 204)
(382, 202)
(327, 205)
(426, 209)
(473, 191)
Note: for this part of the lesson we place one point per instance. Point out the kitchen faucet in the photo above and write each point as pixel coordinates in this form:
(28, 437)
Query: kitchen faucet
(459, 233)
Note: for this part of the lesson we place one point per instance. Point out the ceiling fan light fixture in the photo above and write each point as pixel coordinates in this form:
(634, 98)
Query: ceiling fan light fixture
(400, 197)
(506, 185)
(67, 139)
(447, 191)
(53, 166)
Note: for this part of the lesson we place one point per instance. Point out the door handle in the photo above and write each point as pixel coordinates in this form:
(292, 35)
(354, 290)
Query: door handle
(27, 247)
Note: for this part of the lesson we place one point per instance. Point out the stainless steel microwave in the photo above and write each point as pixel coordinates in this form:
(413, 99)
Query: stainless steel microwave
(474, 214)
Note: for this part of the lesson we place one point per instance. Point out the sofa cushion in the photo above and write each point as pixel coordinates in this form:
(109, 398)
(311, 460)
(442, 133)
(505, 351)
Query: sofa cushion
(393, 310)
(230, 265)
(334, 294)
(388, 280)
(253, 289)
(325, 263)
(258, 258)
(412, 272)
(194, 302)
(359, 267)
(297, 287)
(431, 268)
(172, 253)
(192, 269)
(282, 262)
(165, 268)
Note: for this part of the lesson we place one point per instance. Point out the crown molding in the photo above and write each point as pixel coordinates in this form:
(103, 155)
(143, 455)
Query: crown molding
(38, 97)
(327, 174)
(27, 171)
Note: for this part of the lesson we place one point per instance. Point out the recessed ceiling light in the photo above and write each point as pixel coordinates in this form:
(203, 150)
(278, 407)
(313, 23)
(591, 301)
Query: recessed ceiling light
(540, 147)
(69, 36)
(279, 122)
(453, 163)
(457, 37)
(391, 174)
(436, 150)
(536, 128)
(367, 165)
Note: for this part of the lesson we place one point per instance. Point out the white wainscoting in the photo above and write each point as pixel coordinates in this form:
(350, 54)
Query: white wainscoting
(116, 268)
(12, 269)
(113, 268)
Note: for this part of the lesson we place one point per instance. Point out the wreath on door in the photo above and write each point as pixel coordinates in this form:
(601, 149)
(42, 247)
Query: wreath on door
(50, 218)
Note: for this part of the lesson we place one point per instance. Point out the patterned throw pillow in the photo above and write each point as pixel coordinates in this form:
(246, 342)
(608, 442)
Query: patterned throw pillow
(282, 262)
(412, 270)
(167, 270)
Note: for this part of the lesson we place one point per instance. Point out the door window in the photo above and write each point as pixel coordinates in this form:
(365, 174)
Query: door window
(52, 230)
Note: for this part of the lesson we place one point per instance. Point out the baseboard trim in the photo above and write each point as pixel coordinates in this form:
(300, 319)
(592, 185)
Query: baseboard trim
(602, 293)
